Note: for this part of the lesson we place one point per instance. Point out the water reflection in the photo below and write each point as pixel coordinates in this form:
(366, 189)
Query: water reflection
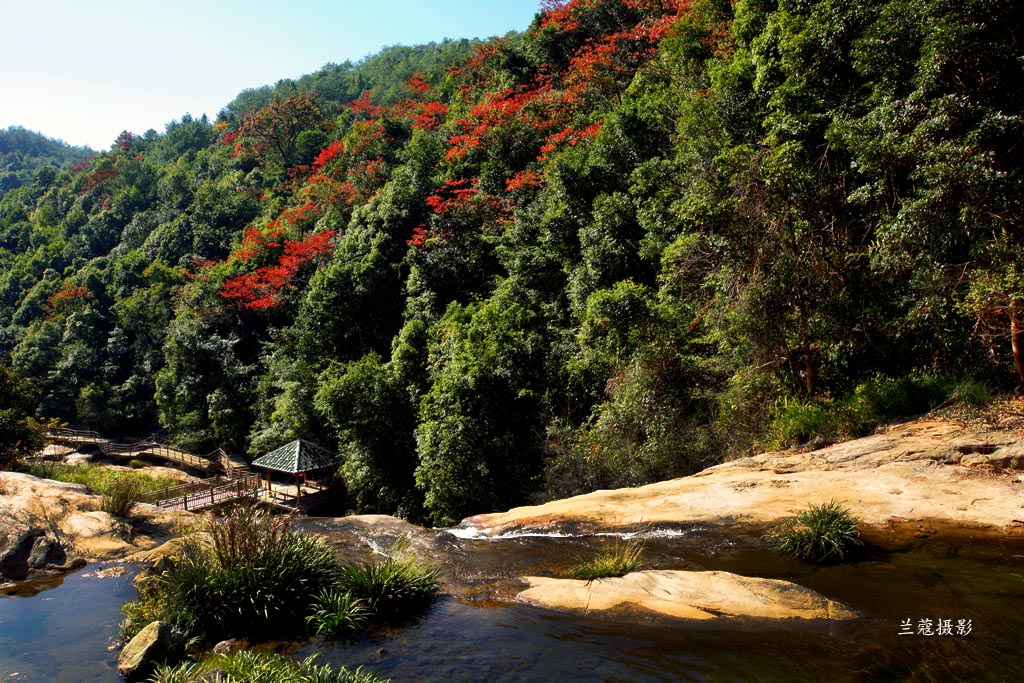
(60, 630)
(478, 634)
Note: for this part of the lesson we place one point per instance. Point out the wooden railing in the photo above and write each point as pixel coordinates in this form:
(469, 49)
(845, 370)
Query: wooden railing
(73, 435)
(203, 463)
(158, 450)
(210, 493)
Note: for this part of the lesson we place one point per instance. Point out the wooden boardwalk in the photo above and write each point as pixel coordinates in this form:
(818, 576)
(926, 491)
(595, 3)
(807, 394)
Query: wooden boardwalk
(83, 437)
(239, 483)
(206, 494)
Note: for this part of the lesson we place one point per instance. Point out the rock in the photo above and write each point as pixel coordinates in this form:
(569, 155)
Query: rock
(914, 471)
(713, 597)
(15, 553)
(226, 647)
(46, 552)
(63, 525)
(76, 458)
(153, 645)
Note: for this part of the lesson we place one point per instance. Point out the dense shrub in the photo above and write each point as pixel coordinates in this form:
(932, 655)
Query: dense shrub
(393, 588)
(253, 580)
(796, 421)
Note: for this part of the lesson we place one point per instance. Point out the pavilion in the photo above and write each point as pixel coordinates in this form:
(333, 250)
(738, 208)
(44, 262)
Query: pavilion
(298, 458)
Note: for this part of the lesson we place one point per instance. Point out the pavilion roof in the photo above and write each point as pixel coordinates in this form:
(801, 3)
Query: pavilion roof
(297, 457)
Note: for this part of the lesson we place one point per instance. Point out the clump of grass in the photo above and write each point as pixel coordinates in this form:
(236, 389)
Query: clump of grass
(619, 559)
(822, 533)
(392, 589)
(253, 580)
(121, 495)
(264, 667)
(336, 613)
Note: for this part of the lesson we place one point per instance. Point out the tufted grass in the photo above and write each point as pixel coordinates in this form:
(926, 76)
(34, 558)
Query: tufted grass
(822, 533)
(262, 668)
(392, 589)
(619, 559)
(336, 613)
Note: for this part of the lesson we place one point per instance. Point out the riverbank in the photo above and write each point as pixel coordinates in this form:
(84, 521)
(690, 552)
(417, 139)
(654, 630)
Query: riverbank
(49, 527)
(930, 473)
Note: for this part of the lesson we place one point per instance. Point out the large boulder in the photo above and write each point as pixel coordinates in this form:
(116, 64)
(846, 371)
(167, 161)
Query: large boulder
(27, 549)
(155, 644)
(717, 597)
(48, 526)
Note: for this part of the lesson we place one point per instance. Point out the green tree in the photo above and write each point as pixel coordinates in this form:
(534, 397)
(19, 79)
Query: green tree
(18, 436)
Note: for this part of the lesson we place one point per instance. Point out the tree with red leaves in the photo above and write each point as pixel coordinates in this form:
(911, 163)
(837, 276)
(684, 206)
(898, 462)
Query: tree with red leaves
(273, 131)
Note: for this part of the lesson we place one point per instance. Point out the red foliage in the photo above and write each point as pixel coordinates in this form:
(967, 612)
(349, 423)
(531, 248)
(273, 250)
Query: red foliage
(67, 296)
(363, 105)
(297, 214)
(529, 104)
(570, 136)
(80, 166)
(463, 201)
(262, 288)
(419, 236)
(418, 85)
(563, 14)
(426, 115)
(524, 179)
(124, 141)
(329, 154)
(98, 177)
(452, 195)
(255, 241)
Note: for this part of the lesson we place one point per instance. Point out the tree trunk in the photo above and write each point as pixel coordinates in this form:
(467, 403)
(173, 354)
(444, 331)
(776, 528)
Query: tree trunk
(1017, 342)
(805, 341)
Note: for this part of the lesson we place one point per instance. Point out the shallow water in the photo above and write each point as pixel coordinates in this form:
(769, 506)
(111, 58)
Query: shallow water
(476, 632)
(59, 631)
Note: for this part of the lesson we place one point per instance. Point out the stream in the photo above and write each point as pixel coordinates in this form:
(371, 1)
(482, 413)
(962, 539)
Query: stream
(476, 631)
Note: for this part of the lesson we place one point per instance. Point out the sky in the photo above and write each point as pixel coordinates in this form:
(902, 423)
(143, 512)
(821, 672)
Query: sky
(85, 70)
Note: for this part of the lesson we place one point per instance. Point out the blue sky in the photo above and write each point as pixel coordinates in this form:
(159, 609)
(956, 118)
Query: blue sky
(84, 70)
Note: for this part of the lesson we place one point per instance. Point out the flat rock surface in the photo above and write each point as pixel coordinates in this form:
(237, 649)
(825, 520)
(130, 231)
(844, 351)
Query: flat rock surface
(703, 596)
(931, 469)
(72, 514)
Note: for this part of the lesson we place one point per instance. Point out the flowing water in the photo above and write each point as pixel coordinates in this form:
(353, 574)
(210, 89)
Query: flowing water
(60, 630)
(477, 632)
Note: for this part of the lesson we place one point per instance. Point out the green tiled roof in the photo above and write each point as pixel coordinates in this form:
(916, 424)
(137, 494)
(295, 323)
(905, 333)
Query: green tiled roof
(296, 457)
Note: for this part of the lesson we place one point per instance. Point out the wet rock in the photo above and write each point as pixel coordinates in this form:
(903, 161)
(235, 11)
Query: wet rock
(713, 597)
(46, 552)
(153, 645)
(16, 551)
(226, 647)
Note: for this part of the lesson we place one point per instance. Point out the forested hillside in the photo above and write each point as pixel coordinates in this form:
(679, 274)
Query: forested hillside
(23, 153)
(640, 235)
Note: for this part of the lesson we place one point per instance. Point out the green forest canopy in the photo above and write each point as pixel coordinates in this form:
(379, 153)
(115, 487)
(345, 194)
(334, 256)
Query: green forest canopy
(638, 236)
